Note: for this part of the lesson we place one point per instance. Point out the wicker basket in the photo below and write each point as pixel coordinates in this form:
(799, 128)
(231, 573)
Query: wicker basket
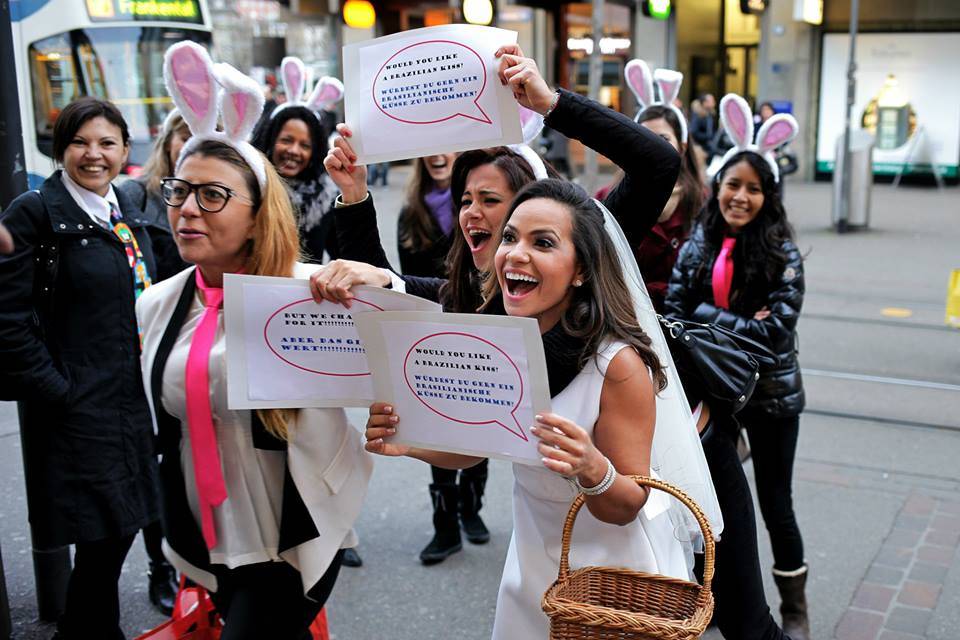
(608, 603)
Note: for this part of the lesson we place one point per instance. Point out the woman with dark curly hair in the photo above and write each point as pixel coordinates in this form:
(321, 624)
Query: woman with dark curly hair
(293, 139)
(742, 270)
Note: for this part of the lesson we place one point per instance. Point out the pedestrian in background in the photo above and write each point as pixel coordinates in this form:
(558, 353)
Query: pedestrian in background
(424, 235)
(145, 192)
(255, 510)
(742, 270)
(703, 122)
(71, 358)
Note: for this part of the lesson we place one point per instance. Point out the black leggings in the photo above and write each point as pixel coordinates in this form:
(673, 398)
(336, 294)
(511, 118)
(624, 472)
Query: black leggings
(477, 472)
(153, 542)
(93, 604)
(266, 600)
(773, 442)
(741, 611)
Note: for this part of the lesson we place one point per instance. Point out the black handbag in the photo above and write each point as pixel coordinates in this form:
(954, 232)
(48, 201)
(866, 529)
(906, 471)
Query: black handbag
(725, 364)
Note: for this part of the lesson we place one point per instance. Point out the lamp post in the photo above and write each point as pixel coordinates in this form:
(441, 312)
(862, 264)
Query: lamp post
(843, 218)
(595, 77)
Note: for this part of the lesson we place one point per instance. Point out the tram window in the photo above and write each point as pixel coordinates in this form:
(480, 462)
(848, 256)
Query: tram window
(120, 64)
(54, 84)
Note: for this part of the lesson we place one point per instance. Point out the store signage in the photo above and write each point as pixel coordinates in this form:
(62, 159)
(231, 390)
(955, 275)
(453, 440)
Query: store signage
(753, 7)
(136, 10)
(608, 46)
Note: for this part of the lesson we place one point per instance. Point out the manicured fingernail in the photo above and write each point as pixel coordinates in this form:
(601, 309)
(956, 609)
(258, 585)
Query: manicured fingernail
(388, 409)
(394, 419)
(533, 429)
(538, 418)
(391, 431)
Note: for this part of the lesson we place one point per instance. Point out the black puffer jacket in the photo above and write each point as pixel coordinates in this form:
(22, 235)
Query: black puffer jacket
(779, 392)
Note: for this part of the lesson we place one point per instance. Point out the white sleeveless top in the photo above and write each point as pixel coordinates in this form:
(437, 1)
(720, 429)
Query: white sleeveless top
(541, 499)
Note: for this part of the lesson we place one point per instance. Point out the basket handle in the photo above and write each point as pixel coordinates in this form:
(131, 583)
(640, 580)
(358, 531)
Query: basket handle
(644, 481)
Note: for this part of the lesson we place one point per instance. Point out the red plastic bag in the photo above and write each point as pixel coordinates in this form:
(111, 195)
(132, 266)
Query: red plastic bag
(195, 618)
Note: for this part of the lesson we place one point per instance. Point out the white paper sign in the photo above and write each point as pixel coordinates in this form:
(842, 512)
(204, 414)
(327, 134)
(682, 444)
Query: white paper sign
(284, 350)
(426, 91)
(464, 383)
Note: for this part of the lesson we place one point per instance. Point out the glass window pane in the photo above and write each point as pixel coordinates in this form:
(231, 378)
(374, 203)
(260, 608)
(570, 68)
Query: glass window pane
(54, 84)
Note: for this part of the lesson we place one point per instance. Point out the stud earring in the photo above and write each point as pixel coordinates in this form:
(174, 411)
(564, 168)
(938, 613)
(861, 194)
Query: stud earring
(578, 282)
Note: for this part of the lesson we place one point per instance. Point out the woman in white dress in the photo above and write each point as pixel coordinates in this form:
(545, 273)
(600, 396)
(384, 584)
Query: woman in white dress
(557, 263)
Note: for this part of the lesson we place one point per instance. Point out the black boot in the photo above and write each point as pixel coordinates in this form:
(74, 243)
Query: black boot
(163, 586)
(793, 602)
(351, 558)
(471, 499)
(446, 537)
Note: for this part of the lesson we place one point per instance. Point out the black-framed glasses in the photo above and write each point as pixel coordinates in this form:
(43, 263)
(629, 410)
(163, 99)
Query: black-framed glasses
(211, 197)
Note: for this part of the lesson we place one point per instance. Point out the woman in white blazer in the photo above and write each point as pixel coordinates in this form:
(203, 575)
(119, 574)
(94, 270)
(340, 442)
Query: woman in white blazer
(257, 505)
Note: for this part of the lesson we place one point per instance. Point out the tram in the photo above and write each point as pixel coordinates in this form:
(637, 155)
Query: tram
(111, 49)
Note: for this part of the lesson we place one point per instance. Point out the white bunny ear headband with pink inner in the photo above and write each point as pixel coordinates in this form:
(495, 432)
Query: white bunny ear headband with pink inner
(531, 124)
(296, 78)
(737, 120)
(204, 92)
(641, 81)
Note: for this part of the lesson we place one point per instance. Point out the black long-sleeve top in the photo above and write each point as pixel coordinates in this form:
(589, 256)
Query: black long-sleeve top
(650, 165)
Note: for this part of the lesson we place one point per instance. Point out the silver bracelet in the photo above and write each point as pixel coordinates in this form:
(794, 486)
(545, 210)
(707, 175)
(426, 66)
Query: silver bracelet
(608, 479)
(553, 105)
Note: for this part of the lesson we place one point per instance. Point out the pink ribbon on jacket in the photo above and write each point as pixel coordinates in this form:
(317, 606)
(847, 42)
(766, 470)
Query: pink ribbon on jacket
(722, 277)
(211, 488)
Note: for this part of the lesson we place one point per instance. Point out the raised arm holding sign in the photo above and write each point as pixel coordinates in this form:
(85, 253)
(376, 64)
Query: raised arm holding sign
(427, 91)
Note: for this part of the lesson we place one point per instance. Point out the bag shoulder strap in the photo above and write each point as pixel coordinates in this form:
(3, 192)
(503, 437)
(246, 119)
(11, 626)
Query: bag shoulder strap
(47, 262)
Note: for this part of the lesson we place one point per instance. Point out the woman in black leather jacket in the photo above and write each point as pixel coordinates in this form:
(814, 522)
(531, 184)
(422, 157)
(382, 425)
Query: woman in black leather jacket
(741, 270)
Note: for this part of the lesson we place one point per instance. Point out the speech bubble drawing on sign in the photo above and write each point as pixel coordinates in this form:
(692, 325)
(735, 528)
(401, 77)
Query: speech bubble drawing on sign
(430, 82)
(477, 384)
(317, 338)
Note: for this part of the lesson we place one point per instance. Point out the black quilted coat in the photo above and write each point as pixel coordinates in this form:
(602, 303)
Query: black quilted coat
(779, 392)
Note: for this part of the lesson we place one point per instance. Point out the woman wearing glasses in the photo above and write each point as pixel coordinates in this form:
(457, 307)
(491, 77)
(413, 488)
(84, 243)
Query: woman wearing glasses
(242, 490)
(71, 357)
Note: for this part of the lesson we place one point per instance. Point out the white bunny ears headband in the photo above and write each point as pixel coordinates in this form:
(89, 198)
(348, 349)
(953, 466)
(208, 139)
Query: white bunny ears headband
(531, 123)
(202, 91)
(641, 82)
(296, 78)
(737, 120)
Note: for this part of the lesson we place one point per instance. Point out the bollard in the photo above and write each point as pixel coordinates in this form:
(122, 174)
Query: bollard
(51, 572)
(6, 626)
(953, 300)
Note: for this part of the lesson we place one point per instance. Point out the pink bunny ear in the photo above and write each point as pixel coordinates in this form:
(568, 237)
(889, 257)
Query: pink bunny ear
(294, 76)
(327, 92)
(640, 81)
(531, 124)
(188, 74)
(737, 119)
(241, 102)
(668, 81)
(779, 129)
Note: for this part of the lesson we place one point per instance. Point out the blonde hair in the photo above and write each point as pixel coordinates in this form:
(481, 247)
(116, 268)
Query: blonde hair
(158, 164)
(275, 247)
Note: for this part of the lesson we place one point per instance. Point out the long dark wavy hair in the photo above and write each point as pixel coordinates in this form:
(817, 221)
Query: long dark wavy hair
(758, 253)
(265, 138)
(461, 292)
(417, 229)
(689, 179)
(602, 307)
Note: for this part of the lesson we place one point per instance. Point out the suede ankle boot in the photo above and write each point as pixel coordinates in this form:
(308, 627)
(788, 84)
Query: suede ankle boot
(793, 602)
(446, 538)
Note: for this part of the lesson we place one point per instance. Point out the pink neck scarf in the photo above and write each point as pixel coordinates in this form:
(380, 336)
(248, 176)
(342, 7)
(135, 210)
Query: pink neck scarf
(723, 274)
(211, 488)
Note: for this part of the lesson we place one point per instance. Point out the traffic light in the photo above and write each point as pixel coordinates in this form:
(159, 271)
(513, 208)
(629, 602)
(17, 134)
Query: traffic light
(659, 9)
